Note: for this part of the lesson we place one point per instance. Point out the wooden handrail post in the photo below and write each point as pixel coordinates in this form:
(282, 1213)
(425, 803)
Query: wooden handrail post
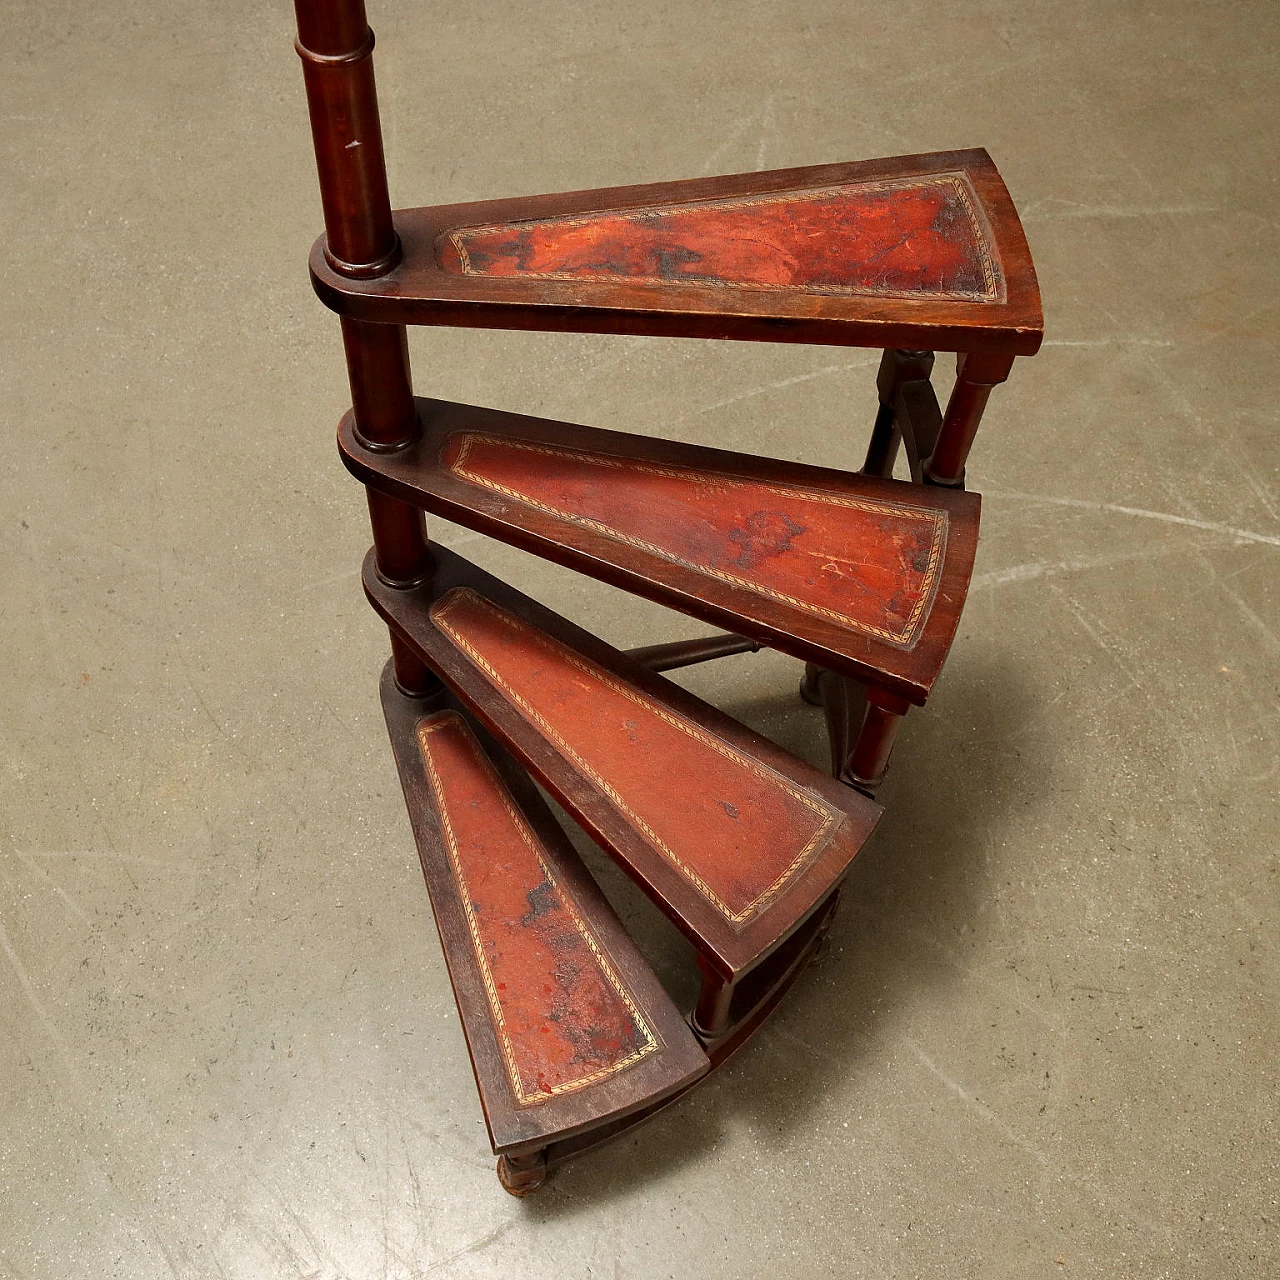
(335, 44)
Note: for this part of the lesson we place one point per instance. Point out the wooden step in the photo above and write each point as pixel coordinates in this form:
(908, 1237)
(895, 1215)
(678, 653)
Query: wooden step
(855, 573)
(568, 1029)
(737, 841)
(912, 252)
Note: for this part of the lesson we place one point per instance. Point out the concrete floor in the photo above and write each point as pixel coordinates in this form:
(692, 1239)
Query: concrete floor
(1046, 1041)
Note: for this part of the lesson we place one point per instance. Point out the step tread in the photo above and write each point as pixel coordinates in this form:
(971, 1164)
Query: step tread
(567, 1027)
(854, 572)
(913, 251)
(737, 840)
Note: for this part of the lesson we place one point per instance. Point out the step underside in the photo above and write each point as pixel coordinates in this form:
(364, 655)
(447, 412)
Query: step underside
(912, 252)
(567, 1027)
(860, 574)
(736, 840)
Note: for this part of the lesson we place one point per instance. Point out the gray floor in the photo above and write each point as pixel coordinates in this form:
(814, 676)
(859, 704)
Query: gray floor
(1046, 1041)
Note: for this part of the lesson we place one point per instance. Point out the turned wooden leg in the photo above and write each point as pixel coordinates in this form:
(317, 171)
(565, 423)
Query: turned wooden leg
(715, 996)
(843, 701)
(896, 369)
(882, 450)
(977, 375)
(869, 759)
(523, 1174)
(811, 684)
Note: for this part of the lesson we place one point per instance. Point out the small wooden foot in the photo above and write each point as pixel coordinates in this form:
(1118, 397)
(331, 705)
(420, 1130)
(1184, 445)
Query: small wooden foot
(522, 1175)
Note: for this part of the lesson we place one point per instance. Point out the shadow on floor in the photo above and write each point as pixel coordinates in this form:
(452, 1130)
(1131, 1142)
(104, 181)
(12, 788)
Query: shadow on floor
(912, 904)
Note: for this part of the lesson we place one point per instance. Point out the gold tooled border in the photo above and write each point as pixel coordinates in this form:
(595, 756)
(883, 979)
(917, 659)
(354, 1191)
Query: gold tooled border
(450, 719)
(829, 816)
(992, 280)
(904, 638)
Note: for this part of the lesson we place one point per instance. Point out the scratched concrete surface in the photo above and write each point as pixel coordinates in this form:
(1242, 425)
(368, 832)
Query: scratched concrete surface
(1046, 1041)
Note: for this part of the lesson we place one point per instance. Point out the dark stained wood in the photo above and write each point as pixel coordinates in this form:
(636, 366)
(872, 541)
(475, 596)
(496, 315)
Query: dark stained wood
(977, 376)
(567, 1027)
(862, 725)
(896, 368)
(869, 759)
(859, 574)
(882, 448)
(916, 413)
(381, 386)
(757, 993)
(944, 263)
(736, 840)
(686, 653)
(572, 1039)
(908, 413)
(711, 1018)
(844, 704)
(336, 46)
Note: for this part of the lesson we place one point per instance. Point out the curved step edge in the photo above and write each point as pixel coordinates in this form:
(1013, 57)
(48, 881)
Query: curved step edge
(796, 831)
(855, 573)
(568, 1029)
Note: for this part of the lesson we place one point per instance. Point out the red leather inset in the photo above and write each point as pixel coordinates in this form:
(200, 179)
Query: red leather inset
(864, 563)
(562, 1016)
(909, 237)
(735, 829)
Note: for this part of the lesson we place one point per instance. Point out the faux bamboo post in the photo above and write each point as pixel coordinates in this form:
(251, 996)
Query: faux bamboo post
(336, 47)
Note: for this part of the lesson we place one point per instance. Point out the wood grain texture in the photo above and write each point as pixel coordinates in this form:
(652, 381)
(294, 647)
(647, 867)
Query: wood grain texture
(914, 252)
(857, 573)
(567, 1027)
(735, 839)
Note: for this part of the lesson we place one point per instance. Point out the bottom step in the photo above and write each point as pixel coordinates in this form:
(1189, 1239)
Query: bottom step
(569, 1031)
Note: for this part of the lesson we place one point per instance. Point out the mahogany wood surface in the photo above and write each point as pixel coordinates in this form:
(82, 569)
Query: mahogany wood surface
(978, 375)
(735, 839)
(860, 574)
(913, 252)
(686, 653)
(572, 1039)
(336, 47)
(567, 1027)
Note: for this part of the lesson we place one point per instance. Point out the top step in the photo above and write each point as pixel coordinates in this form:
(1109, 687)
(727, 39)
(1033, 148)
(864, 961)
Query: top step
(914, 252)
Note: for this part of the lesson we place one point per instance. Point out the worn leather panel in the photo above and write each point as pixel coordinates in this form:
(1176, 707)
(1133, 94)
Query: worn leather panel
(563, 1018)
(909, 237)
(867, 564)
(733, 828)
